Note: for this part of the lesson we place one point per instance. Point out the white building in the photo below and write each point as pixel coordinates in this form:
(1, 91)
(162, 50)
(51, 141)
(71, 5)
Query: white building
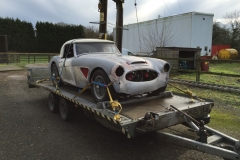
(189, 30)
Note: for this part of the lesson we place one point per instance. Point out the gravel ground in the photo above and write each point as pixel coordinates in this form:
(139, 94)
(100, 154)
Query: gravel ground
(29, 131)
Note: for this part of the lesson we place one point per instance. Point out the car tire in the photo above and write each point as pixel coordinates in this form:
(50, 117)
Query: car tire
(53, 102)
(29, 83)
(100, 93)
(54, 70)
(159, 90)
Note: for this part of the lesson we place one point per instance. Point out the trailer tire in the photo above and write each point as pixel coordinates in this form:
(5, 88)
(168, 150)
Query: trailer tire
(54, 70)
(65, 109)
(53, 102)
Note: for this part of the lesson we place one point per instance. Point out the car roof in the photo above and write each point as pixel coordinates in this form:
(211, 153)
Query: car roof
(85, 40)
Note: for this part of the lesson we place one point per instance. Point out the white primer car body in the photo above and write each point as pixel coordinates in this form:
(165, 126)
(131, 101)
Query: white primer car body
(82, 61)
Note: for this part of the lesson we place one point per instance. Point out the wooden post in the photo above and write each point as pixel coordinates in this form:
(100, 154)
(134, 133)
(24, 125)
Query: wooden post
(28, 58)
(48, 58)
(102, 7)
(7, 59)
(34, 58)
(119, 23)
(198, 67)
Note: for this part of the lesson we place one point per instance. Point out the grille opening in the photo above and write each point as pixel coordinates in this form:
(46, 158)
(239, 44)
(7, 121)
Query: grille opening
(166, 67)
(119, 71)
(141, 75)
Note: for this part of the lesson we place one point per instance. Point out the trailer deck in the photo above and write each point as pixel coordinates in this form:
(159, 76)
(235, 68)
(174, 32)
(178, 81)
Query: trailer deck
(142, 114)
(135, 110)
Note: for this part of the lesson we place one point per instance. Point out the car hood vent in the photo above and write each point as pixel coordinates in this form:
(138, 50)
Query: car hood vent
(139, 62)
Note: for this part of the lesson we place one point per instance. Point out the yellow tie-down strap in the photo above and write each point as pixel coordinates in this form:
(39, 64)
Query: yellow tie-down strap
(116, 106)
(42, 80)
(189, 93)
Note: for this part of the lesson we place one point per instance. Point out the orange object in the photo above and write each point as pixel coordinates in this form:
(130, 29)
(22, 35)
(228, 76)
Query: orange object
(228, 53)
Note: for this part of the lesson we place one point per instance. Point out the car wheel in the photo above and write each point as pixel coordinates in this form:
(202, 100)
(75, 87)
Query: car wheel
(100, 93)
(53, 102)
(54, 71)
(29, 83)
(159, 90)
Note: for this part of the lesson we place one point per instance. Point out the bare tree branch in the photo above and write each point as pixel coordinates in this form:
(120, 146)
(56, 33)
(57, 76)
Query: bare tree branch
(158, 35)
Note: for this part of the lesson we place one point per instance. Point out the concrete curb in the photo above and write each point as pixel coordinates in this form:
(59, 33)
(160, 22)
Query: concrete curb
(10, 68)
(16, 68)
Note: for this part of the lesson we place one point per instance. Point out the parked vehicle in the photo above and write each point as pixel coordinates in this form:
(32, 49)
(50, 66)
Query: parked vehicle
(127, 52)
(83, 61)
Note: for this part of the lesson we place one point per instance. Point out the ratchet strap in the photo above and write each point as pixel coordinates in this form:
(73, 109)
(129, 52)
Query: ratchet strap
(188, 92)
(40, 81)
(81, 91)
(116, 106)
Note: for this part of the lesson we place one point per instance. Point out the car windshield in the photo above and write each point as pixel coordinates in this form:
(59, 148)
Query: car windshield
(96, 47)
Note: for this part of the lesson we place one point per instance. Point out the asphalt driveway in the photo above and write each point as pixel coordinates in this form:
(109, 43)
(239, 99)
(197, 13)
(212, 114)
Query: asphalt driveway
(28, 130)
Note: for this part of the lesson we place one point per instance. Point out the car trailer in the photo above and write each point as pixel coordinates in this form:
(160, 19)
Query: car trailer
(141, 114)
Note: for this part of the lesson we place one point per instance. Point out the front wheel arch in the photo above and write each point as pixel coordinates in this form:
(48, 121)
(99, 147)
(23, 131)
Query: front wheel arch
(92, 73)
(107, 81)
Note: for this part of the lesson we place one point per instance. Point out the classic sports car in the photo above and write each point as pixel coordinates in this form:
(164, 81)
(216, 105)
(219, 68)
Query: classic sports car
(83, 61)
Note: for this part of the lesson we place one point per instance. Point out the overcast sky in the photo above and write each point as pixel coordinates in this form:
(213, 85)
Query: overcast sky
(85, 11)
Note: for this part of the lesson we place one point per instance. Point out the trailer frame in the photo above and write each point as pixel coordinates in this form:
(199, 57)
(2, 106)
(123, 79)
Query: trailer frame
(133, 122)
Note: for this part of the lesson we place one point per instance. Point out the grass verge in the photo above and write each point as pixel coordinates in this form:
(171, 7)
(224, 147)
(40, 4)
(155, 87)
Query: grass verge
(225, 122)
(227, 68)
(225, 113)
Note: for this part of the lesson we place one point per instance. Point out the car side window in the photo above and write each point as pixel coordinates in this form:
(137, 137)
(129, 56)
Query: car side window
(68, 52)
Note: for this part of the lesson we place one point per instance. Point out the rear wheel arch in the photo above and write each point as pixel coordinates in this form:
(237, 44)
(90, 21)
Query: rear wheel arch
(60, 83)
(53, 63)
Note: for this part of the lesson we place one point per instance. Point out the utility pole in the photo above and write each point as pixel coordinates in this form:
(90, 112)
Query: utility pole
(102, 8)
(119, 23)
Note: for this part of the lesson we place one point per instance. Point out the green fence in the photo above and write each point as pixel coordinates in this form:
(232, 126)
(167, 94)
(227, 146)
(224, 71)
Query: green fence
(197, 69)
(45, 58)
(26, 57)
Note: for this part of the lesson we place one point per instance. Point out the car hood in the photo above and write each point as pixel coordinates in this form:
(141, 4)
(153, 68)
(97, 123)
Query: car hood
(130, 60)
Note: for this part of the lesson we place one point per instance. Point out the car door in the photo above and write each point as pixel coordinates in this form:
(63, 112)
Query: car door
(65, 64)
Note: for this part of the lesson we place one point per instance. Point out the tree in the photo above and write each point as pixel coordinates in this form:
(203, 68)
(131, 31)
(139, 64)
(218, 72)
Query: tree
(221, 34)
(158, 35)
(233, 21)
(50, 37)
(91, 32)
(20, 34)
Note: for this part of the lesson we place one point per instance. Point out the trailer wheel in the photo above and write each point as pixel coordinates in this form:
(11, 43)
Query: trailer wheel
(65, 109)
(54, 71)
(53, 102)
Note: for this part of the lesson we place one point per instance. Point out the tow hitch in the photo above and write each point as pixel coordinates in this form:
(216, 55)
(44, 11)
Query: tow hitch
(148, 122)
(210, 141)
